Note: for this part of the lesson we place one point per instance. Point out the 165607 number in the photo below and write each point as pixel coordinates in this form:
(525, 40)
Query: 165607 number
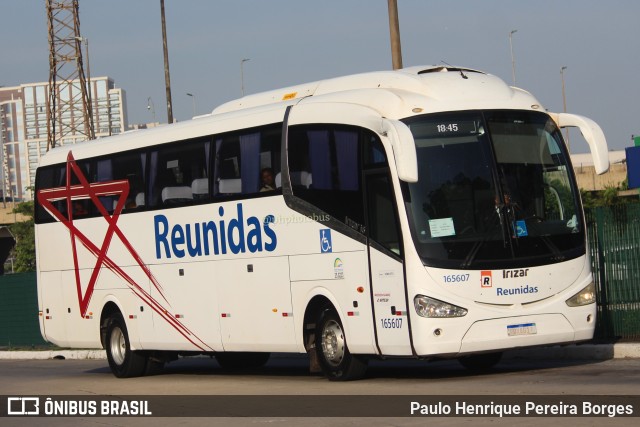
(391, 323)
(454, 278)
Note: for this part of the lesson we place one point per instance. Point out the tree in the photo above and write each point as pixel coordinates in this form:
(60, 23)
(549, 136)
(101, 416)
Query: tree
(24, 233)
(606, 197)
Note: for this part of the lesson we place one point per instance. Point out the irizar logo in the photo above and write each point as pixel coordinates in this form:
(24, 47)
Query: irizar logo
(519, 272)
(216, 236)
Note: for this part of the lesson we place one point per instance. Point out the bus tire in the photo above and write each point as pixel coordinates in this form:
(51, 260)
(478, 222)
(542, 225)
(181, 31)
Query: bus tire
(234, 361)
(480, 362)
(336, 362)
(124, 362)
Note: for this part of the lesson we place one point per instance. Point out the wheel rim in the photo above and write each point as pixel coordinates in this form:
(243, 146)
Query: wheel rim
(333, 343)
(118, 346)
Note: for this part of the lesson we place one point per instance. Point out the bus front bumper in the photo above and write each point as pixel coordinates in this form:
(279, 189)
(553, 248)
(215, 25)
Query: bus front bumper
(524, 331)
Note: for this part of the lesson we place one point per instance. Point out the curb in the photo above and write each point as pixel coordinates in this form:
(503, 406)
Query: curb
(579, 352)
(569, 352)
(54, 354)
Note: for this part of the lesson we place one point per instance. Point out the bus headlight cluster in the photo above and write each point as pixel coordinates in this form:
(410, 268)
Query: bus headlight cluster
(431, 307)
(584, 297)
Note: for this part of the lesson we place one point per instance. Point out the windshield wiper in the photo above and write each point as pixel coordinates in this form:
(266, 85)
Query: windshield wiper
(557, 254)
(470, 258)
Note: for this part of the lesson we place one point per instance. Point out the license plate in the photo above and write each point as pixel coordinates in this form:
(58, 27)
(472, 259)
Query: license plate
(522, 329)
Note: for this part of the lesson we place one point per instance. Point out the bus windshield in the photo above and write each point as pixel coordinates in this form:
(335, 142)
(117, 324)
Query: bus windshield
(495, 190)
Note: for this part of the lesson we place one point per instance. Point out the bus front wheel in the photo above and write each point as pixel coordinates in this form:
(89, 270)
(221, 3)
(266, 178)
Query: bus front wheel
(337, 363)
(123, 361)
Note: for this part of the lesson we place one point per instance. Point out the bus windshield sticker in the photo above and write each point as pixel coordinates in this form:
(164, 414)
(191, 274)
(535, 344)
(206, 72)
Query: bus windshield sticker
(441, 227)
(520, 227)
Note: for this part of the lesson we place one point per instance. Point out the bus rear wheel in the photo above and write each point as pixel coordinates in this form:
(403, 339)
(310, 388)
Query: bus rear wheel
(124, 362)
(336, 362)
(480, 362)
(234, 361)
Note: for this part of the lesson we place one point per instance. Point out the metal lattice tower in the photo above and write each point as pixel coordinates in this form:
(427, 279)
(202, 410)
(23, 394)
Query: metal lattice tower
(69, 115)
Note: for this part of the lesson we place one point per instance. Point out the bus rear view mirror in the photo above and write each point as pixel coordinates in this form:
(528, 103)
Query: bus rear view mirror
(594, 136)
(404, 149)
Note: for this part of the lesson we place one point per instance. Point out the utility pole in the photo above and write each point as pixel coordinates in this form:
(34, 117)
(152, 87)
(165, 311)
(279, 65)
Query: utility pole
(394, 30)
(513, 60)
(242, 74)
(167, 78)
(564, 107)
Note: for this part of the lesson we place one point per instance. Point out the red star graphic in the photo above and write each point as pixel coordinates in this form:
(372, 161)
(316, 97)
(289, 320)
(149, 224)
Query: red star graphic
(92, 191)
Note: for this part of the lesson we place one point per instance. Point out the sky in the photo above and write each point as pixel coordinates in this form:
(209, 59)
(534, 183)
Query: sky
(289, 42)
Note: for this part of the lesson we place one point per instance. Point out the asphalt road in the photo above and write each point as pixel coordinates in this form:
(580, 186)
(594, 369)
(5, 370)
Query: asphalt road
(289, 376)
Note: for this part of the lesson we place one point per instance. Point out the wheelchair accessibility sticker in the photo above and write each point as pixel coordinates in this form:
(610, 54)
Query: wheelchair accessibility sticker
(325, 241)
(520, 228)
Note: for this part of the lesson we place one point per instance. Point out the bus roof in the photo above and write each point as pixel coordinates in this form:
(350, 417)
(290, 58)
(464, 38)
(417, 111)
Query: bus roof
(393, 94)
(442, 88)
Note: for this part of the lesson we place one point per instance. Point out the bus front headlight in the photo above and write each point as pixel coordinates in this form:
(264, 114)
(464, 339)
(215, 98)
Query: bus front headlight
(431, 307)
(584, 297)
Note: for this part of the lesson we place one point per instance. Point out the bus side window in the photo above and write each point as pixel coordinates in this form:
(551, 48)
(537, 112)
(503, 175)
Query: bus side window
(228, 180)
(241, 157)
(81, 208)
(374, 155)
(130, 166)
(49, 177)
(382, 219)
(179, 173)
(324, 167)
(382, 224)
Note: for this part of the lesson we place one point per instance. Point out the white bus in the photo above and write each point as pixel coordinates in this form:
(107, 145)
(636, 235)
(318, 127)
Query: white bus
(429, 212)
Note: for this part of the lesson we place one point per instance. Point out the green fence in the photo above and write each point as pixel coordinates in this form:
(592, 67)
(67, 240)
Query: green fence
(614, 240)
(19, 311)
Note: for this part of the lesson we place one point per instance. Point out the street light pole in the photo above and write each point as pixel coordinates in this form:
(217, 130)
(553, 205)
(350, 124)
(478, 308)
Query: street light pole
(151, 108)
(394, 31)
(193, 98)
(513, 61)
(242, 74)
(167, 78)
(564, 107)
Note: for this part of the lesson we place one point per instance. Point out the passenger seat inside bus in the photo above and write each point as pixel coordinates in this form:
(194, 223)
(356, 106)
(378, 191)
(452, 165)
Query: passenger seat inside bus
(230, 186)
(200, 188)
(139, 200)
(298, 179)
(173, 195)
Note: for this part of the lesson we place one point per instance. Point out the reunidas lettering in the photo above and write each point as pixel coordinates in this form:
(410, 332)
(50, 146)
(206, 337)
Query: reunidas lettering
(517, 291)
(207, 237)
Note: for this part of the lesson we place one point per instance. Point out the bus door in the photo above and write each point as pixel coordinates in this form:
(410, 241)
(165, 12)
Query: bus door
(386, 266)
(255, 304)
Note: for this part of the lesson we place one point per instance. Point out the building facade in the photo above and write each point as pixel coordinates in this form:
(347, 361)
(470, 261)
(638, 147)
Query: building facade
(23, 127)
(589, 180)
